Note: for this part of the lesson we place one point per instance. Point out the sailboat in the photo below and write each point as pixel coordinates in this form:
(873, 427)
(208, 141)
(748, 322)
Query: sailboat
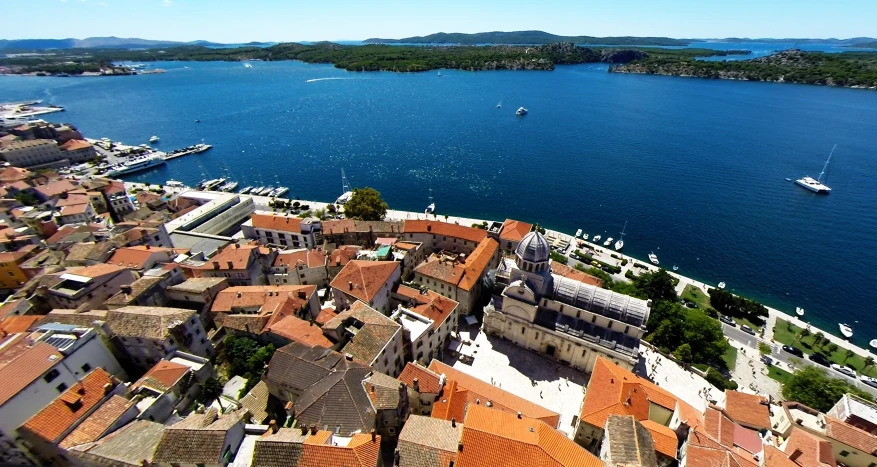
(431, 208)
(816, 185)
(620, 243)
(346, 193)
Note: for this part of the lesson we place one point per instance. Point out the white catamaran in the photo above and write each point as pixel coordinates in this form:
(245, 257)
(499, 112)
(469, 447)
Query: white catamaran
(816, 185)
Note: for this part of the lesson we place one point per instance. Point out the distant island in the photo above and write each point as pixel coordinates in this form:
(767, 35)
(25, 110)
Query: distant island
(528, 37)
(865, 45)
(847, 69)
(790, 40)
(359, 58)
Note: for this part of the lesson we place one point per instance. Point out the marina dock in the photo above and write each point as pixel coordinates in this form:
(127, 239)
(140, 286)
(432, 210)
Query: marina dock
(24, 110)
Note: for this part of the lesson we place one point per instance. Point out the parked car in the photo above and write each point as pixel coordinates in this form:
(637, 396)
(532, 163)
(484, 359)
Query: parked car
(844, 369)
(747, 329)
(819, 359)
(869, 381)
(727, 320)
(794, 351)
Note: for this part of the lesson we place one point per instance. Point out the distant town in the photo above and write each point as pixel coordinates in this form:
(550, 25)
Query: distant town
(168, 325)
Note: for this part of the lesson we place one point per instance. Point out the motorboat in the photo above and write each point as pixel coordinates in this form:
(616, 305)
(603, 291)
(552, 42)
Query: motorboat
(584, 236)
(247, 65)
(255, 191)
(608, 241)
(846, 330)
(245, 190)
(675, 268)
(280, 191)
(597, 238)
(799, 311)
(174, 184)
(653, 258)
(153, 139)
(721, 285)
(815, 184)
(620, 243)
(201, 147)
(136, 165)
(873, 343)
(578, 233)
(521, 112)
(430, 209)
(229, 186)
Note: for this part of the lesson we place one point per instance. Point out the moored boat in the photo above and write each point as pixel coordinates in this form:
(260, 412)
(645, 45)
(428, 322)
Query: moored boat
(799, 311)
(521, 112)
(608, 241)
(597, 238)
(846, 330)
(721, 285)
(584, 236)
(245, 190)
(135, 165)
(620, 243)
(815, 184)
(653, 258)
(578, 233)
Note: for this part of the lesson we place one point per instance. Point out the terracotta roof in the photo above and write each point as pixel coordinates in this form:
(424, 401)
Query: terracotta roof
(14, 174)
(477, 263)
(326, 314)
(719, 432)
(468, 389)
(267, 297)
(96, 270)
(73, 198)
(614, 390)
(375, 333)
(427, 380)
(281, 449)
(629, 442)
(256, 402)
(773, 457)
(310, 258)
(428, 442)
(99, 422)
(493, 437)
(850, 435)
(320, 451)
(14, 256)
(16, 324)
(70, 407)
(75, 144)
(299, 330)
(339, 227)
(702, 456)
(428, 304)
(383, 390)
(25, 367)
(342, 255)
(663, 438)
(747, 409)
(277, 223)
(128, 446)
(240, 256)
(146, 322)
(574, 274)
(137, 256)
(198, 439)
(808, 450)
(444, 229)
(162, 376)
(364, 279)
(514, 230)
(51, 190)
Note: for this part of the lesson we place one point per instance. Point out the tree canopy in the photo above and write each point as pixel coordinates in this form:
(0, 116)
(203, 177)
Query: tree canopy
(657, 285)
(366, 204)
(812, 387)
(673, 326)
(729, 304)
(246, 358)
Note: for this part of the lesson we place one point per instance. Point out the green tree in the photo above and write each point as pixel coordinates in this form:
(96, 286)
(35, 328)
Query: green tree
(812, 387)
(705, 336)
(803, 333)
(869, 361)
(683, 353)
(210, 390)
(818, 339)
(848, 355)
(657, 285)
(562, 259)
(831, 348)
(763, 348)
(366, 204)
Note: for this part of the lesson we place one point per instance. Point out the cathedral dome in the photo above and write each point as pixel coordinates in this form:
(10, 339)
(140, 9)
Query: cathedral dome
(533, 248)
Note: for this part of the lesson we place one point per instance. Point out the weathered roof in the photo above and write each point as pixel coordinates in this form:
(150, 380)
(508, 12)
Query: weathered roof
(281, 449)
(374, 332)
(96, 425)
(198, 284)
(494, 437)
(148, 322)
(309, 258)
(630, 443)
(128, 446)
(427, 380)
(162, 376)
(850, 435)
(321, 450)
(384, 391)
(136, 257)
(428, 442)
(444, 229)
(514, 231)
(256, 402)
(198, 439)
(299, 330)
(19, 372)
(663, 438)
(364, 279)
(138, 288)
(276, 222)
(747, 409)
(806, 449)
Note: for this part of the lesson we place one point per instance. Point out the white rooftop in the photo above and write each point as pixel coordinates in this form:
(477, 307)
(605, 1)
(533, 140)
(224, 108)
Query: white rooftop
(415, 324)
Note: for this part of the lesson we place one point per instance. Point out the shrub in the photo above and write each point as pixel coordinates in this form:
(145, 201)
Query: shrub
(718, 380)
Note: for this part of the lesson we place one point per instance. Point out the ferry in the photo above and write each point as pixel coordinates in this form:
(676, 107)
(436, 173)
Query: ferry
(578, 233)
(815, 184)
(653, 258)
(201, 147)
(608, 241)
(135, 165)
(521, 112)
(245, 190)
(846, 330)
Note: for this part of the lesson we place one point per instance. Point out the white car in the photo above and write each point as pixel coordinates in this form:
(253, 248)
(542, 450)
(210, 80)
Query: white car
(869, 381)
(844, 369)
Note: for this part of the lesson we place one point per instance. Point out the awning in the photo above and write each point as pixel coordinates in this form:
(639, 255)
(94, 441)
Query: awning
(471, 320)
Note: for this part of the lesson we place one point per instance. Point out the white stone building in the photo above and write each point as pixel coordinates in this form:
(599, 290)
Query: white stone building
(149, 334)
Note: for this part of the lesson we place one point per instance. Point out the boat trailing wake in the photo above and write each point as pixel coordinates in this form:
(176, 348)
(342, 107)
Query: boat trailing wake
(324, 79)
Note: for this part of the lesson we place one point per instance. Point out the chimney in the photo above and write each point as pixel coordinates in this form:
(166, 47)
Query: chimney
(453, 422)
(304, 430)
(350, 284)
(460, 446)
(489, 404)
(108, 388)
(302, 294)
(230, 265)
(145, 463)
(396, 457)
(373, 435)
(795, 455)
(216, 265)
(348, 356)
(236, 246)
(416, 385)
(126, 289)
(313, 429)
(147, 246)
(519, 415)
(239, 294)
(477, 401)
(273, 426)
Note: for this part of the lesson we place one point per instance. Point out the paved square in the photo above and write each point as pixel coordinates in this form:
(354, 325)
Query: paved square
(525, 374)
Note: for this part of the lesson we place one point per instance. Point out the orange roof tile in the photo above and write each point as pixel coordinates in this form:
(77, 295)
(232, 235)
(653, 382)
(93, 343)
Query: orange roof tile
(136, 256)
(749, 410)
(427, 380)
(363, 279)
(700, 456)
(75, 144)
(16, 324)
(477, 263)
(276, 222)
(514, 231)
(444, 229)
(14, 174)
(96, 270)
(575, 274)
(806, 449)
(20, 370)
(850, 435)
(98, 423)
(773, 457)
(474, 389)
(342, 255)
(267, 297)
(663, 437)
(299, 330)
(70, 407)
(309, 258)
(428, 304)
(493, 437)
(326, 315)
(162, 376)
(51, 190)
(320, 450)
(240, 257)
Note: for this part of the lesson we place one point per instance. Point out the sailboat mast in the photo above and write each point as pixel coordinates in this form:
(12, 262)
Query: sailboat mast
(826, 164)
(622, 230)
(345, 187)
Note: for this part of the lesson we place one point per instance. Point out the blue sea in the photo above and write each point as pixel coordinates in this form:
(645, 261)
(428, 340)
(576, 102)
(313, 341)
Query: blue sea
(696, 167)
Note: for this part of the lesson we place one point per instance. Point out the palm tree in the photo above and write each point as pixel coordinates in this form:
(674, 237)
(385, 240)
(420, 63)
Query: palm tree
(869, 361)
(832, 348)
(848, 355)
(818, 339)
(803, 333)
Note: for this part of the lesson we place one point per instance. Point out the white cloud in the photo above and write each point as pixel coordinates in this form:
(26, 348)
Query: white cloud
(168, 2)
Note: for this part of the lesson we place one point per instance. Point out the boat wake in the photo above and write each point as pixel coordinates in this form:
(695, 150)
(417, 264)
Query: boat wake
(325, 79)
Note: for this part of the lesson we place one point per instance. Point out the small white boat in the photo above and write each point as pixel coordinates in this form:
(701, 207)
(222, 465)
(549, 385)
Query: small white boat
(620, 243)
(597, 238)
(521, 112)
(799, 311)
(653, 258)
(721, 285)
(174, 184)
(578, 233)
(439, 73)
(873, 343)
(584, 236)
(153, 139)
(675, 268)
(430, 209)
(498, 106)
(815, 184)
(608, 241)
(846, 330)
(247, 65)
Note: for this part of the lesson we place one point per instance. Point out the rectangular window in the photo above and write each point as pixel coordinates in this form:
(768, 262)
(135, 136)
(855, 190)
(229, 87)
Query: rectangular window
(51, 375)
(61, 387)
(844, 453)
(86, 368)
(522, 329)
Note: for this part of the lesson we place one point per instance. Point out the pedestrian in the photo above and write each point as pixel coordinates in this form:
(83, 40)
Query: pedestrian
(540, 395)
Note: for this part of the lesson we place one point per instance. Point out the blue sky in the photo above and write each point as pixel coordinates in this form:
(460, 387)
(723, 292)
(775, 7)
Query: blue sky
(290, 20)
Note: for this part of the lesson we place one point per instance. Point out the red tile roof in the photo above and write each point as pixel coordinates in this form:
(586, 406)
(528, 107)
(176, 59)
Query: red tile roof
(319, 450)
(342, 255)
(427, 380)
(70, 407)
(718, 432)
(309, 258)
(575, 274)
(364, 279)
(514, 231)
(468, 390)
(464, 275)
(136, 256)
(299, 330)
(96, 270)
(240, 257)
(277, 223)
(267, 297)
(848, 434)
(28, 364)
(663, 437)
(16, 324)
(98, 423)
(496, 438)
(444, 229)
(51, 190)
(326, 314)
(428, 304)
(75, 144)
(808, 450)
(749, 410)
(14, 174)
(162, 376)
